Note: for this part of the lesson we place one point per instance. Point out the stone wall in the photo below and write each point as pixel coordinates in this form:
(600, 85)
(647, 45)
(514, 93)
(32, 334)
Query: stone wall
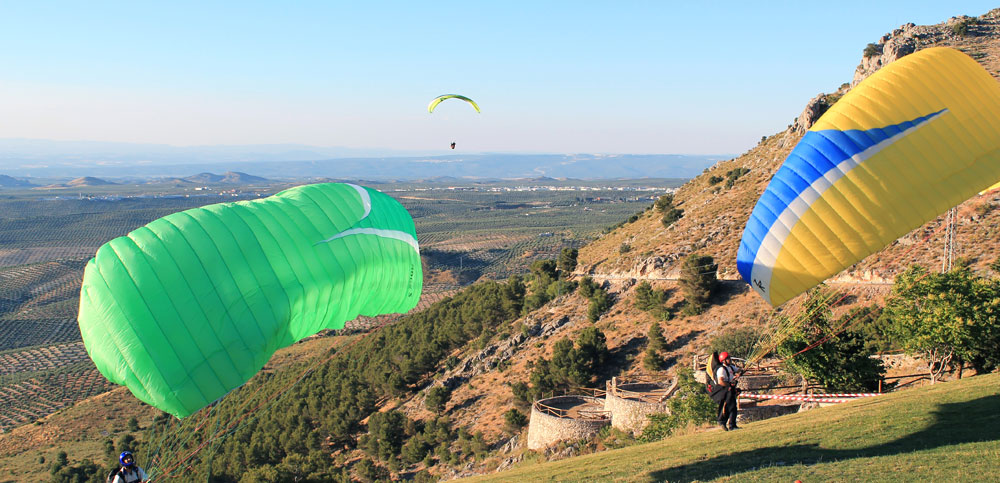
(757, 382)
(757, 413)
(545, 429)
(629, 414)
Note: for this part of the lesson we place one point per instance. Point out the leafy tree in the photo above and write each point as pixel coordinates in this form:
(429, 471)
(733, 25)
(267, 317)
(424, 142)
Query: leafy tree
(715, 180)
(522, 394)
(560, 287)
(841, 362)
(385, 434)
(697, 281)
(670, 216)
(739, 342)
(665, 205)
(664, 202)
(651, 300)
(587, 287)
(437, 398)
(600, 302)
(415, 450)
(567, 260)
(946, 317)
(543, 274)
(961, 28)
(133, 424)
(543, 381)
(654, 345)
(591, 353)
(571, 365)
(513, 294)
(514, 420)
(86, 470)
(366, 470)
(61, 460)
(733, 175)
(690, 404)
(871, 50)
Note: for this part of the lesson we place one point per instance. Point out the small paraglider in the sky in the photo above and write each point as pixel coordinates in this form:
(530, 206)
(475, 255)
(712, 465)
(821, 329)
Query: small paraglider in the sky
(437, 100)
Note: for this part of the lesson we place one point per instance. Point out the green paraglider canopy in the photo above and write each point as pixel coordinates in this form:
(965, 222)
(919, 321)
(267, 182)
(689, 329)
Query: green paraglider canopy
(192, 305)
(439, 99)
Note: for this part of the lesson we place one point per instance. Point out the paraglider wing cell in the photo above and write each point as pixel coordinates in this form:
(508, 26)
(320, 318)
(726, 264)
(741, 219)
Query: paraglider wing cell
(192, 305)
(916, 138)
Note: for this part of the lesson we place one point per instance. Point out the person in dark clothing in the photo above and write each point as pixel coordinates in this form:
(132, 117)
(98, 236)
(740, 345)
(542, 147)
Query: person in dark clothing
(726, 376)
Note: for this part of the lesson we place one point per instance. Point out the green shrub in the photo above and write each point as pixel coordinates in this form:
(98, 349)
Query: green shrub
(514, 420)
(437, 398)
(600, 302)
(697, 280)
(690, 404)
(733, 175)
(567, 260)
(961, 28)
(652, 301)
(670, 216)
(571, 365)
(587, 287)
(664, 202)
(739, 342)
(718, 179)
(841, 363)
(655, 343)
(871, 50)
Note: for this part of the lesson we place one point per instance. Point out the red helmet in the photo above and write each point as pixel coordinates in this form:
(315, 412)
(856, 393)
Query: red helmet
(723, 356)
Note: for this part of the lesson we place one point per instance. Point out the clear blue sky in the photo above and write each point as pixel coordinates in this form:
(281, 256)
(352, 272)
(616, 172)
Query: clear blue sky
(581, 76)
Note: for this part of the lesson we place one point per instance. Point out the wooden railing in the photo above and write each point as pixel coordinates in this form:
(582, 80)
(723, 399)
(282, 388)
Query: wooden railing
(654, 396)
(585, 414)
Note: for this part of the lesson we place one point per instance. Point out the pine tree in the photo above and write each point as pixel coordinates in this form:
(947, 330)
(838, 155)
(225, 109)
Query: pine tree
(654, 344)
(697, 281)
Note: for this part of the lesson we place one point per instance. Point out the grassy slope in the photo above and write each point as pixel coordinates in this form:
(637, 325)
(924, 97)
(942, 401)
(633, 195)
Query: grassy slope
(946, 432)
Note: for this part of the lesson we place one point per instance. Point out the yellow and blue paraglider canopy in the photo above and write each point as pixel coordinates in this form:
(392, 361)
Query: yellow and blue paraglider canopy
(439, 99)
(913, 140)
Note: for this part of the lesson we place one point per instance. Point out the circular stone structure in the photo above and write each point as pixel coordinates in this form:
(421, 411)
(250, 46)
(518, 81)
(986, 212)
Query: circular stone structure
(565, 417)
(631, 402)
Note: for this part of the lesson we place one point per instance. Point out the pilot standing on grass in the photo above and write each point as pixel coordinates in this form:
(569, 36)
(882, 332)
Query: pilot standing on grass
(726, 375)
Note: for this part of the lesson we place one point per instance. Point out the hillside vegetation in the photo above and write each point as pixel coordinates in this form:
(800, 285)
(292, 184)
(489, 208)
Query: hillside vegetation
(438, 393)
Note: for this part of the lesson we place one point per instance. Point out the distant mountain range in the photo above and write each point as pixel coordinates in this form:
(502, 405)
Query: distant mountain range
(35, 158)
(8, 182)
(229, 177)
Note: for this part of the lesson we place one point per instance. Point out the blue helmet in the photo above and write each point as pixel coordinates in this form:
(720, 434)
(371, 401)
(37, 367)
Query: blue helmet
(126, 454)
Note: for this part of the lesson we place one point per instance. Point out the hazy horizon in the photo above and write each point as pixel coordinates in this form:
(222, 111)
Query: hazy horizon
(558, 77)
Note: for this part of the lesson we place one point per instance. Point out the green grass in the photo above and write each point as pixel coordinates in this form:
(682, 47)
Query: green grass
(946, 432)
